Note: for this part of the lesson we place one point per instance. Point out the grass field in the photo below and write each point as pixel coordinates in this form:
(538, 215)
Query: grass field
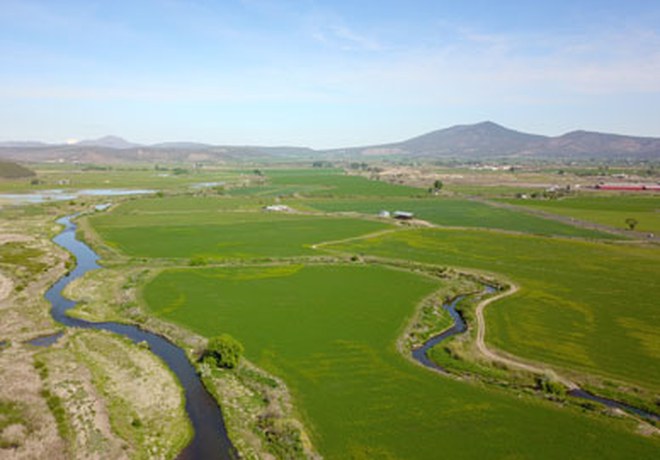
(194, 227)
(610, 210)
(77, 177)
(330, 331)
(324, 182)
(455, 212)
(589, 306)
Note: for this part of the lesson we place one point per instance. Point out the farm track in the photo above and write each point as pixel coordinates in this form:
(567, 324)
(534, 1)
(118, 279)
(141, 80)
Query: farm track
(493, 356)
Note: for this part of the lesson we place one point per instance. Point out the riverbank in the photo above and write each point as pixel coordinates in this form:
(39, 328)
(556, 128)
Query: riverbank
(490, 366)
(63, 401)
(257, 407)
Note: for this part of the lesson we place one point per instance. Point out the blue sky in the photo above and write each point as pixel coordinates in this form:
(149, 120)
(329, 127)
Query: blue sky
(324, 73)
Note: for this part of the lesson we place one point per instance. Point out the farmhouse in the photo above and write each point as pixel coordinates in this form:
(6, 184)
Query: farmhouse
(403, 215)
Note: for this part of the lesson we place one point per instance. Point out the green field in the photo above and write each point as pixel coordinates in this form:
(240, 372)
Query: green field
(588, 306)
(323, 182)
(610, 210)
(454, 212)
(72, 177)
(329, 332)
(202, 227)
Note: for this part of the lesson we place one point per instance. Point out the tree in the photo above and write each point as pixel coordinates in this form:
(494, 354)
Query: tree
(438, 184)
(631, 222)
(224, 351)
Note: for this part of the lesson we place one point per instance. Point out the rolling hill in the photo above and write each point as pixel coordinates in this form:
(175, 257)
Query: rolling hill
(489, 140)
(11, 170)
(462, 142)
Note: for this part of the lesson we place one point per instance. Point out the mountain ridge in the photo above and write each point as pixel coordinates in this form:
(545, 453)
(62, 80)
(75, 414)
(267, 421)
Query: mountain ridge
(481, 140)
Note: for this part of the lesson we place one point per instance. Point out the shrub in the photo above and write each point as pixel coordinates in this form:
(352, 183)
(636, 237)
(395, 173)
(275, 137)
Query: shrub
(198, 261)
(224, 351)
(550, 386)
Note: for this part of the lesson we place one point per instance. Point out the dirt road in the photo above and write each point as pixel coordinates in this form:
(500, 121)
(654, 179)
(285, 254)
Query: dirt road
(493, 356)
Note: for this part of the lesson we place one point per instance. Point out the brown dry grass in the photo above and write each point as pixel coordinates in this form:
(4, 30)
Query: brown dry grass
(98, 378)
(36, 436)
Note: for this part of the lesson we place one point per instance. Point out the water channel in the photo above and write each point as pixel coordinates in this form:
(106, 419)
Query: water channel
(210, 440)
(421, 355)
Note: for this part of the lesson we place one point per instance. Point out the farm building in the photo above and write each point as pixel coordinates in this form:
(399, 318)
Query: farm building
(384, 214)
(277, 208)
(403, 215)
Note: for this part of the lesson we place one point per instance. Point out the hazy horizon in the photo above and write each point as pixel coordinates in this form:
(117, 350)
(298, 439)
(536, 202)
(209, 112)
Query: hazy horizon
(324, 74)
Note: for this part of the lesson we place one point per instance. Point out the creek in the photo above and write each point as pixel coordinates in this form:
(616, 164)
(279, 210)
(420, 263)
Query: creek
(210, 440)
(420, 354)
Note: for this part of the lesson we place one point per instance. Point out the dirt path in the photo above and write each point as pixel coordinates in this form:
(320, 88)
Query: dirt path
(493, 356)
(354, 238)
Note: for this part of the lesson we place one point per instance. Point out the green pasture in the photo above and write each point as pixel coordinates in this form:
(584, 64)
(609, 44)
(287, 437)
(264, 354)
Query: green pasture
(202, 227)
(612, 210)
(330, 331)
(491, 191)
(186, 204)
(324, 182)
(75, 178)
(455, 212)
(588, 306)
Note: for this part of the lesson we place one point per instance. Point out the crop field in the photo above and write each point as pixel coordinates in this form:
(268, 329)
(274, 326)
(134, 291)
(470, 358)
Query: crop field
(459, 213)
(607, 210)
(193, 227)
(330, 331)
(324, 182)
(70, 177)
(590, 306)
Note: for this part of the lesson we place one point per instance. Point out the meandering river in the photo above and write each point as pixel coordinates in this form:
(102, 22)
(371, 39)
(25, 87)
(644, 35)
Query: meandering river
(421, 355)
(210, 440)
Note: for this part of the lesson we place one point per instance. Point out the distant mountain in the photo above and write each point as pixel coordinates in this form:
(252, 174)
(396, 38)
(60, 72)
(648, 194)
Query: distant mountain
(22, 144)
(181, 146)
(110, 142)
(581, 144)
(463, 142)
(11, 170)
(490, 140)
(482, 139)
(170, 152)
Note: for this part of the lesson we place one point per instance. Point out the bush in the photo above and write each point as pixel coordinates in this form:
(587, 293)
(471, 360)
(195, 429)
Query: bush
(224, 351)
(198, 261)
(550, 386)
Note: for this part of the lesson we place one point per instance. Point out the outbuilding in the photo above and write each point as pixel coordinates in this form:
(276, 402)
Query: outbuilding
(403, 215)
(277, 208)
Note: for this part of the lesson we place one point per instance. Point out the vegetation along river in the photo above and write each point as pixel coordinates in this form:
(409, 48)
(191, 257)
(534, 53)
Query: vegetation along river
(420, 354)
(210, 440)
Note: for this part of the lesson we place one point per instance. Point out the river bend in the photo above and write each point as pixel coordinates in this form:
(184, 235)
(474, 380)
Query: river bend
(210, 440)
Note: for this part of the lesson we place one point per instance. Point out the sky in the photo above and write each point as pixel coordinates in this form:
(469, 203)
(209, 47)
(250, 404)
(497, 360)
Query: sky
(324, 73)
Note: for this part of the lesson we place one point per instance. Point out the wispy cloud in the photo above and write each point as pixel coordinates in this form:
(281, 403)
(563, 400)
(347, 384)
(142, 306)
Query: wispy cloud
(346, 39)
(328, 55)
